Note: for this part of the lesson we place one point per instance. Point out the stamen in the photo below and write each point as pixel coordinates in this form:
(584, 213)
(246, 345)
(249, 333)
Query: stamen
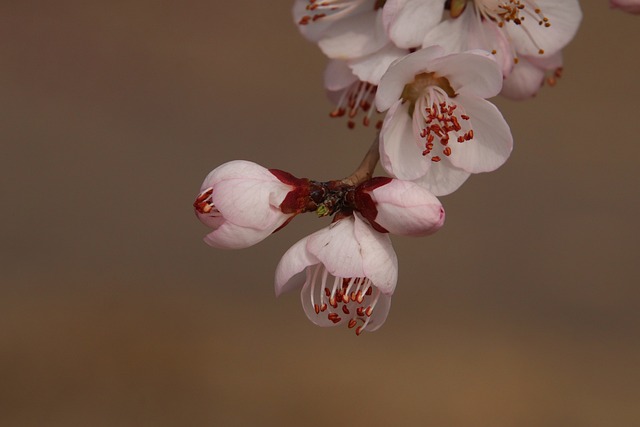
(354, 100)
(352, 299)
(443, 120)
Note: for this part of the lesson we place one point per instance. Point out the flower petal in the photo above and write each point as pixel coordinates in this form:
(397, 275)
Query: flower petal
(399, 154)
(492, 142)
(336, 247)
(402, 72)
(564, 17)
(380, 313)
(232, 236)
(372, 67)
(251, 202)
(407, 21)
(405, 208)
(470, 73)
(524, 81)
(354, 36)
(443, 178)
(379, 259)
(338, 75)
(290, 272)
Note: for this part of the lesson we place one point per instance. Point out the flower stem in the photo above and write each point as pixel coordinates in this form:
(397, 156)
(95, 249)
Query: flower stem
(364, 172)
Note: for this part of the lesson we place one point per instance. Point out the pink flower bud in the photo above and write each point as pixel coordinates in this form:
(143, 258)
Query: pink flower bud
(399, 207)
(241, 201)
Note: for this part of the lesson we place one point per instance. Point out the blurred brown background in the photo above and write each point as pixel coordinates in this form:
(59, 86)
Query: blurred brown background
(523, 311)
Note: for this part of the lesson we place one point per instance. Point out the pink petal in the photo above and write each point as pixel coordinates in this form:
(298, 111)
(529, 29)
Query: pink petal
(405, 208)
(232, 236)
(338, 76)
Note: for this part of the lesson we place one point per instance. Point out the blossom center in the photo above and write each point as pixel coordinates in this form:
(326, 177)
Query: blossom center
(204, 204)
(437, 115)
(339, 300)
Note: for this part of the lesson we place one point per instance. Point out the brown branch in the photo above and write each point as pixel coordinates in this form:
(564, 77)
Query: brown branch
(364, 172)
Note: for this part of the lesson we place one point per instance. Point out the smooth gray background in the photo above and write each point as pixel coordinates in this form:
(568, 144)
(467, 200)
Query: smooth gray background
(522, 311)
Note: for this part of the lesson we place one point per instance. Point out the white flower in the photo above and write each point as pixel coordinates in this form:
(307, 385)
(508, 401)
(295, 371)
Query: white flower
(241, 201)
(347, 272)
(439, 128)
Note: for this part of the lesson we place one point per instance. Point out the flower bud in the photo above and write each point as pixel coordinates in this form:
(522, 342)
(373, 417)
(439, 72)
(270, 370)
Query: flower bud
(241, 201)
(399, 207)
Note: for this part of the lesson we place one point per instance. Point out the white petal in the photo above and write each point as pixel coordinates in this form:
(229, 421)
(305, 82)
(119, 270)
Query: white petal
(401, 72)
(399, 154)
(564, 16)
(451, 34)
(443, 178)
(492, 142)
(336, 247)
(378, 256)
(354, 37)
(470, 73)
(290, 272)
(407, 21)
(372, 67)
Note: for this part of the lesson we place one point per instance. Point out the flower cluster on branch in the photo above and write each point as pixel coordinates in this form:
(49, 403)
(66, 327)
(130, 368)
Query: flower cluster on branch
(422, 70)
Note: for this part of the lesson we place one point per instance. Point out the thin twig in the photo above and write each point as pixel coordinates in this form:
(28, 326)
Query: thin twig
(364, 172)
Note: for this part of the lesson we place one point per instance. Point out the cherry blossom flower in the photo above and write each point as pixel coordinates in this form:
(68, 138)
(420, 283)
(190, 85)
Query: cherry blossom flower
(241, 201)
(347, 271)
(399, 207)
(631, 6)
(508, 29)
(439, 129)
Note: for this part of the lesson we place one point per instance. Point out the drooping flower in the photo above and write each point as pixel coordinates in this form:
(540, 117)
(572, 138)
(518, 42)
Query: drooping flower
(399, 207)
(631, 6)
(243, 203)
(508, 29)
(347, 271)
(439, 128)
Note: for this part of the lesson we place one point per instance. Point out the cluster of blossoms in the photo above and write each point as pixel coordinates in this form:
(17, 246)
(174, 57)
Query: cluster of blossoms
(348, 270)
(429, 66)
